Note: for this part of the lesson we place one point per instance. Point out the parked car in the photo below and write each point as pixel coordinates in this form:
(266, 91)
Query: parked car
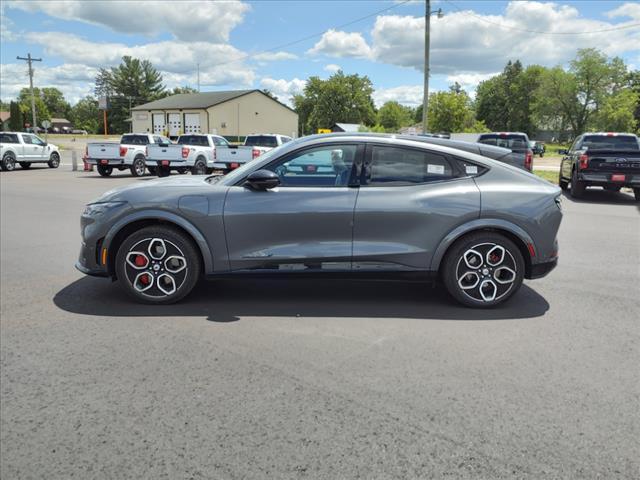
(517, 142)
(25, 149)
(538, 148)
(608, 160)
(80, 132)
(331, 203)
(129, 153)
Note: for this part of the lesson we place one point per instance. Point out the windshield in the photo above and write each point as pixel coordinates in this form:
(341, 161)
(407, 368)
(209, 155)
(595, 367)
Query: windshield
(510, 141)
(607, 142)
(261, 141)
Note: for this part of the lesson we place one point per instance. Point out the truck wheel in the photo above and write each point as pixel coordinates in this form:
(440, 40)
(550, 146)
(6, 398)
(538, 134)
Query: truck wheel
(483, 269)
(153, 170)
(183, 170)
(636, 193)
(138, 167)
(577, 186)
(200, 168)
(158, 265)
(54, 160)
(25, 165)
(563, 184)
(105, 170)
(8, 163)
(164, 171)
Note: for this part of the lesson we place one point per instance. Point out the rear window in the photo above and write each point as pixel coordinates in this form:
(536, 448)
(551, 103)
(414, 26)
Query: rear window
(510, 141)
(398, 166)
(261, 141)
(604, 142)
(8, 138)
(134, 140)
(195, 140)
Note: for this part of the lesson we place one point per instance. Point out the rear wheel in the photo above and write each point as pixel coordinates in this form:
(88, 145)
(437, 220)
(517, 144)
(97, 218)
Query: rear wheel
(577, 186)
(164, 171)
(636, 193)
(158, 265)
(138, 167)
(199, 168)
(105, 170)
(54, 160)
(8, 163)
(561, 182)
(25, 165)
(483, 269)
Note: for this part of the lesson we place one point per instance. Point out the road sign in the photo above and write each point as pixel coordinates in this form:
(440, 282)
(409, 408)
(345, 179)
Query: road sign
(103, 103)
(46, 124)
(324, 130)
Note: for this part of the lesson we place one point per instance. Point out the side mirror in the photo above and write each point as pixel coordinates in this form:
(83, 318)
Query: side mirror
(563, 151)
(263, 180)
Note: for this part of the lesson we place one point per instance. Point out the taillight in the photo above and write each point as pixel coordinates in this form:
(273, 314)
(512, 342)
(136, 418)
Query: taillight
(528, 160)
(185, 152)
(255, 153)
(584, 161)
(123, 151)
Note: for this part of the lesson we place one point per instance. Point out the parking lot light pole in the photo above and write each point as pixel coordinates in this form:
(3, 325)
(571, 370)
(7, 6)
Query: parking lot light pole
(427, 28)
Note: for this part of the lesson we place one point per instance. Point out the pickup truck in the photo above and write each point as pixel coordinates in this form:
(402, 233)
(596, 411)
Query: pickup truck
(129, 153)
(610, 160)
(25, 149)
(254, 146)
(517, 142)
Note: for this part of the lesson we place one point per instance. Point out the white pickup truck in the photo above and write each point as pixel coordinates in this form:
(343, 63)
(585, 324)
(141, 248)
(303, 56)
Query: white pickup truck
(130, 153)
(25, 149)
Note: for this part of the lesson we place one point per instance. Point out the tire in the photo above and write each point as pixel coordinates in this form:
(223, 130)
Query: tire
(612, 188)
(563, 184)
(105, 170)
(199, 168)
(25, 165)
(183, 170)
(459, 272)
(148, 279)
(542, 155)
(138, 168)
(163, 172)
(8, 163)
(54, 160)
(577, 186)
(636, 194)
(153, 170)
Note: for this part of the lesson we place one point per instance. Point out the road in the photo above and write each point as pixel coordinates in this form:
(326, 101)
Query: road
(314, 379)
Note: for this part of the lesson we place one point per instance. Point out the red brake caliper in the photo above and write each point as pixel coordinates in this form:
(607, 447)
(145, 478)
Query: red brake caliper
(140, 261)
(145, 279)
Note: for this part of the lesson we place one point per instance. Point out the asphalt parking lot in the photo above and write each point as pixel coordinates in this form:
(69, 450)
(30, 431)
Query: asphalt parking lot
(314, 379)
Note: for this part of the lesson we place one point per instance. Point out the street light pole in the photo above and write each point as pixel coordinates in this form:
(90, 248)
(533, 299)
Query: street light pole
(425, 98)
(30, 61)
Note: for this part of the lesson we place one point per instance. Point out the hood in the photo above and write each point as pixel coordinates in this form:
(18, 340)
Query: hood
(153, 187)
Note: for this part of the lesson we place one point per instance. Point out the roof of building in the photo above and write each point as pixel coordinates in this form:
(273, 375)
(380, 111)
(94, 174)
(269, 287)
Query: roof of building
(60, 120)
(4, 116)
(348, 127)
(198, 100)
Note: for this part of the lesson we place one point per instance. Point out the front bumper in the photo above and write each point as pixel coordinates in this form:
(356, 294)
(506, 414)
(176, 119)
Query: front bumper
(88, 262)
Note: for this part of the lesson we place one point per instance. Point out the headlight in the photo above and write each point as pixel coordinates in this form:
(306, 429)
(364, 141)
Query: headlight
(95, 209)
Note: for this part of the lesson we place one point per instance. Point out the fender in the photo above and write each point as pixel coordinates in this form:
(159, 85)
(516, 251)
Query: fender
(477, 224)
(168, 217)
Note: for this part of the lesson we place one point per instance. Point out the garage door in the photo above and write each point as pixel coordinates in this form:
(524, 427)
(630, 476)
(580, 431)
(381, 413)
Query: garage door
(158, 123)
(174, 124)
(192, 123)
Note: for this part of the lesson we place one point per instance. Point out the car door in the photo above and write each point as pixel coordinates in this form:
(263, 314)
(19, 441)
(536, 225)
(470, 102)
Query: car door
(410, 198)
(303, 224)
(41, 151)
(31, 150)
(566, 165)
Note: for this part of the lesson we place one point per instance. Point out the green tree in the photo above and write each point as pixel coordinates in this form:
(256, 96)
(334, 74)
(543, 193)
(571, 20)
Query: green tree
(616, 113)
(56, 104)
(340, 98)
(450, 111)
(131, 83)
(393, 116)
(87, 116)
(24, 100)
(15, 121)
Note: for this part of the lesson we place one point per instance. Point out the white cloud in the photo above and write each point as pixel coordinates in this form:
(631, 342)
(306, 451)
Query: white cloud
(341, 44)
(469, 81)
(631, 10)
(283, 89)
(6, 35)
(187, 20)
(274, 56)
(332, 67)
(410, 95)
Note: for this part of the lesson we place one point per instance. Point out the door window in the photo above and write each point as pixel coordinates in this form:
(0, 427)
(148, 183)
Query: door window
(397, 166)
(326, 166)
(37, 141)
(27, 139)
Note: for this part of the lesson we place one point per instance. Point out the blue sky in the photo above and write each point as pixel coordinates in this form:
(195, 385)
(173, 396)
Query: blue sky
(234, 42)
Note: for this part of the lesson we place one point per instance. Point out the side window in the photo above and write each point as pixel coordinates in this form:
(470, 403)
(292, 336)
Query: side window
(27, 139)
(398, 166)
(326, 166)
(220, 142)
(8, 138)
(470, 169)
(575, 144)
(157, 139)
(37, 140)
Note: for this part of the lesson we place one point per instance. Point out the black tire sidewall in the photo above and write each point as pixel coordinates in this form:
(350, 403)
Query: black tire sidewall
(105, 171)
(450, 263)
(138, 161)
(54, 160)
(577, 187)
(184, 243)
(8, 160)
(200, 168)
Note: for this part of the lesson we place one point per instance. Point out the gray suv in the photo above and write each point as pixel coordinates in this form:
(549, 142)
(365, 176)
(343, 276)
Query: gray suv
(348, 204)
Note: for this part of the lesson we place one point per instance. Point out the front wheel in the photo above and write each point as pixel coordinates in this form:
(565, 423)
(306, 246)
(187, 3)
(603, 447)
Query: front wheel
(138, 167)
(8, 163)
(54, 160)
(105, 170)
(483, 269)
(25, 165)
(200, 168)
(158, 265)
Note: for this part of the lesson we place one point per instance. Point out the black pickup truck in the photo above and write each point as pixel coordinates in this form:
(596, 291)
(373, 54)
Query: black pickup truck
(609, 160)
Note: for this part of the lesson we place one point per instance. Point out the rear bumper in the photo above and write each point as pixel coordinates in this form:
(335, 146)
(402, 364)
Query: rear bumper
(605, 179)
(168, 163)
(111, 162)
(540, 270)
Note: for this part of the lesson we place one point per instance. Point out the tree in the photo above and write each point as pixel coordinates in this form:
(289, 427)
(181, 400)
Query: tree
(131, 83)
(340, 98)
(24, 100)
(616, 113)
(87, 116)
(393, 116)
(55, 102)
(450, 111)
(15, 121)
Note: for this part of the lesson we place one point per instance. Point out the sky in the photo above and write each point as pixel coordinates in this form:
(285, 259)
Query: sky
(277, 45)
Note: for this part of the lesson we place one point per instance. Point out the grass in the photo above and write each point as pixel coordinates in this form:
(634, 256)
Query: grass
(548, 175)
(552, 148)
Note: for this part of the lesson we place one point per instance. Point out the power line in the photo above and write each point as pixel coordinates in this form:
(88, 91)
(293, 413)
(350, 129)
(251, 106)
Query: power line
(519, 29)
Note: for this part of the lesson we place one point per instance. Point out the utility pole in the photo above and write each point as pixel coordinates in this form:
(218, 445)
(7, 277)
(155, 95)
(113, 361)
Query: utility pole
(198, 78)
(425, 100)
(30, 61)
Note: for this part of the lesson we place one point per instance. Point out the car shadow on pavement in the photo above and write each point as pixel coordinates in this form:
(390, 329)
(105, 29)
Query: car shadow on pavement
(229, 300)
(602, 197)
